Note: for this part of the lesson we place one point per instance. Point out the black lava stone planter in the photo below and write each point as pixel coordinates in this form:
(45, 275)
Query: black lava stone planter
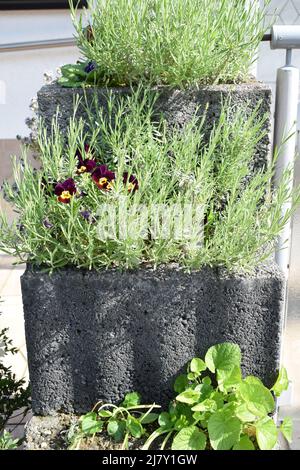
(177, 106)
(97, 335)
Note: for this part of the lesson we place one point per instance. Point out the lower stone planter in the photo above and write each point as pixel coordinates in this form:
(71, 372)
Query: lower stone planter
(97, 335)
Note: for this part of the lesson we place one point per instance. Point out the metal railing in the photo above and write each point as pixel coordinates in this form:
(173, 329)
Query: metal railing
(49, 43)
(42, 44)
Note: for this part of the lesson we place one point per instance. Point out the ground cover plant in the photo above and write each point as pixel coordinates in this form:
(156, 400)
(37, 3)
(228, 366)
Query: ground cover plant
(126, 193)
(169, 42)
(214, 409)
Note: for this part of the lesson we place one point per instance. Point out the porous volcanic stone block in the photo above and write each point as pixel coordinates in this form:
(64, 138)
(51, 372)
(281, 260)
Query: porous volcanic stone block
(97, 335)
(178, 106)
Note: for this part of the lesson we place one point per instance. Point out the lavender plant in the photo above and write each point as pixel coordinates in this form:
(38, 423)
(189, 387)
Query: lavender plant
(126, 193)
(170, 42)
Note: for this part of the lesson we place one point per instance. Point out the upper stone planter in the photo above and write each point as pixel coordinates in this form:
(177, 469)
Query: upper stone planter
(178, 106)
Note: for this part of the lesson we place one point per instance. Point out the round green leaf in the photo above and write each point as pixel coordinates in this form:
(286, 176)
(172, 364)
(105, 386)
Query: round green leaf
(266, 433)
(244, 414)
(206, 405)
(224, 430)
(164, 420)
(131, 399)
(282, 382)
(148, 418)
(90, 423)
(251, 379)
(206, 380)
(190, 396)
(204, 390)
(181, 383)
(227, 379)
(190, 438)
(112, 427)
(134, 427)
(223, 356)
(73, 70)
(244, 443)
(287, 428)
(197, 366)
(257, 397)
(116, 429)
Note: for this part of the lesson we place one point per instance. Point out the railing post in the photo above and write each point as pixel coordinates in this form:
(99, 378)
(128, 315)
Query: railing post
(286, 110)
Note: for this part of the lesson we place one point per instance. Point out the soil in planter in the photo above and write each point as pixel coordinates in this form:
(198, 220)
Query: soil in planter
(51, 433)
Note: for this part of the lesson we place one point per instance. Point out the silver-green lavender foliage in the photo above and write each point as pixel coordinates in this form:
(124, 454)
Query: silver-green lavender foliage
(173, 42)
(241, 221)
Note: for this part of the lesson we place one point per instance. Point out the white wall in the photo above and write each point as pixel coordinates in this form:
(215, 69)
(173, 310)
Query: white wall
(21, 73)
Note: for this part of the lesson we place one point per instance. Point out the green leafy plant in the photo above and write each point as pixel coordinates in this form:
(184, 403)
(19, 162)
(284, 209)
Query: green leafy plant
(129, 158)
(215, 408)
(7, 442)
(13, 395)
(223, 412)
(77, 75)
(166, 41)
(120, 422)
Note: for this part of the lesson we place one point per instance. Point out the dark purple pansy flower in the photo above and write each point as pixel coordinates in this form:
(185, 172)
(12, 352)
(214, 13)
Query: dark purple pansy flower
(90, 66)
(85, 164)
(47, 224)
(65, 190)
(103, 177)
(131, 182)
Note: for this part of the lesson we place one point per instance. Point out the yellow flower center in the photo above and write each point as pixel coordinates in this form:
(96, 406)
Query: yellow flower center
(65, 195)
(110, 185)
(131, 187)
(103, 181)
(82, 169)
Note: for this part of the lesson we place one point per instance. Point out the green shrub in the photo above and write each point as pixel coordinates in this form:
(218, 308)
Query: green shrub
(194, 193)
(171, 42)
(13, 394)
(214, 408)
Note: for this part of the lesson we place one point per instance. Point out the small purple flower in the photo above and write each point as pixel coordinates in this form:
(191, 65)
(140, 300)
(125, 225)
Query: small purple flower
(47, 224)
(65, 190)
(85, 164)
(85, 214)
(90, 67)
